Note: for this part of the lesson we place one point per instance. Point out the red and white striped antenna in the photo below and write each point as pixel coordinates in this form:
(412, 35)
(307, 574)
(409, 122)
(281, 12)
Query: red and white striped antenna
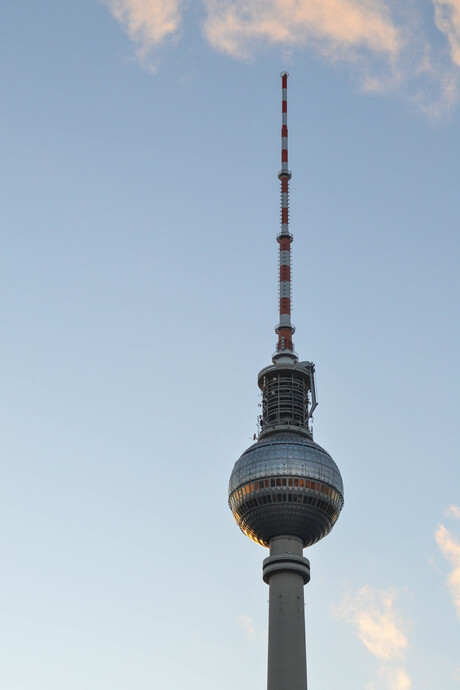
(284, 329)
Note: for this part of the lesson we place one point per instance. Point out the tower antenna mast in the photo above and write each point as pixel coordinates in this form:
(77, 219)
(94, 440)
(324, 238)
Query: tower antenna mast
(284, 329)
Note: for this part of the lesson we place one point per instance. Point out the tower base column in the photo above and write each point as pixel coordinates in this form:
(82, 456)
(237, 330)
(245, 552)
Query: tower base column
(286, 572)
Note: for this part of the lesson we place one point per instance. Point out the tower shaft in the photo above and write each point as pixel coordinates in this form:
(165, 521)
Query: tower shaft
(286, 571)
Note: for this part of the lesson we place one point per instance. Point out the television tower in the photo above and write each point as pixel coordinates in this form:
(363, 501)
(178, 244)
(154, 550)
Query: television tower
(285, 491)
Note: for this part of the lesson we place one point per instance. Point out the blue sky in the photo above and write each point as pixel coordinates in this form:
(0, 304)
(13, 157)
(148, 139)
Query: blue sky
(140, 149)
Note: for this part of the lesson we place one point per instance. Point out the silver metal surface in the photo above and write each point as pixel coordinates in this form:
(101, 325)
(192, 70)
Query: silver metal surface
(288, 397)
(286, 484)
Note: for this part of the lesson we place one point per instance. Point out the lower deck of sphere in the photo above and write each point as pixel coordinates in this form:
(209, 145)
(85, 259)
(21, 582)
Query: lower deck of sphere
(296, 505)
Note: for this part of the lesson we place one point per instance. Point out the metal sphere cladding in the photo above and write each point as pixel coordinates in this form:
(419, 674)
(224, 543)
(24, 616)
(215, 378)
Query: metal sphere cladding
(286, 484)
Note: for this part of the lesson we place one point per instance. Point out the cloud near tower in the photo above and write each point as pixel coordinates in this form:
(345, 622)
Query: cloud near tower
(450, 549)
(380, 627)
(147, 22)
(447, 18)
(335, 26)
(387, 48)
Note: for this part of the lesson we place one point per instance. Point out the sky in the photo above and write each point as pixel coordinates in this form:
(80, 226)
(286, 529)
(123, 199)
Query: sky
(140, 205)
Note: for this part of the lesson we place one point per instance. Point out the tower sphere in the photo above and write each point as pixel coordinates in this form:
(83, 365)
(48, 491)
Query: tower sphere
(285, 483)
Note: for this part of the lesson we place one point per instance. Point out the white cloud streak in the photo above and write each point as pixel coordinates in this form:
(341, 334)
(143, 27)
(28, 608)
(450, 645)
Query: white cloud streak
(237, 27)
(450, 549)
(251, 632)
(372, 612)
(454, 511)
(395, 678)
(384, 42)
(379, 628)
(147, 22)
(248, 626)
(447, 18)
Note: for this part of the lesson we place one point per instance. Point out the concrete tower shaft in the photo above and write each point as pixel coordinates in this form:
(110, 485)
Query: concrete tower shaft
(286, 571)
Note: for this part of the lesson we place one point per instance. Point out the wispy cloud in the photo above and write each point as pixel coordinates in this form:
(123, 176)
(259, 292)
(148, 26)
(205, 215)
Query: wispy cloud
(395, 678)
(450, 548)
(372, 612)
(454, 511)
(250, 630)
(447, 18)
(248, 626)
(147, 22)
(238, 27)
(388, 45)
(380, 629)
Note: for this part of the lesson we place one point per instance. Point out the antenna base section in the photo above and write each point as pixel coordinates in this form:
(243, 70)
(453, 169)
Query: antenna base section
(288, 394)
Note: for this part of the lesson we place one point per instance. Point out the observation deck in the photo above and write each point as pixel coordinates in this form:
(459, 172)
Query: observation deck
(285, 484)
